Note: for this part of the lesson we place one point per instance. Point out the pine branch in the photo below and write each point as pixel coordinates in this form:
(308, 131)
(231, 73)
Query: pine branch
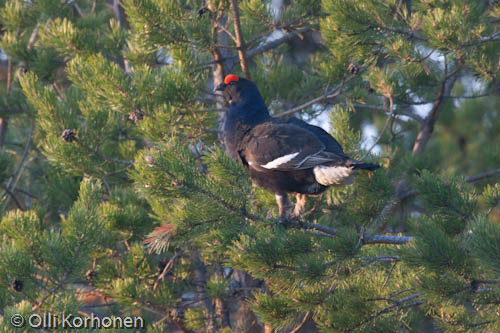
(491, 38)
(410, 103)
(486, 281)
(481, 176)
(409, 114)
(398, 305)
(331, 232)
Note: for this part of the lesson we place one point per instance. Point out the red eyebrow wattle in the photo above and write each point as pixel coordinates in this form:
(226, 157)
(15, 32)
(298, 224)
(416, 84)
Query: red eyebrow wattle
(231, 78)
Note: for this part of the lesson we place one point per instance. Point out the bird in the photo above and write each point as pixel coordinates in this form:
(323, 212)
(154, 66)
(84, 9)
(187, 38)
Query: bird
(284, 156)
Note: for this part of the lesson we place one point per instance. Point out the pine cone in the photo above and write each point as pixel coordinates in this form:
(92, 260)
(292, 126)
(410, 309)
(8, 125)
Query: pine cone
(353, 68)
(68, 135)
(150, 160)
(90, 274)
(136, 115)
(17, 285)
(202, 11)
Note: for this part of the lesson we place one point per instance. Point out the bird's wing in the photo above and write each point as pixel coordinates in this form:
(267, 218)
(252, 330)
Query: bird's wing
(282, 146)
(331, 145)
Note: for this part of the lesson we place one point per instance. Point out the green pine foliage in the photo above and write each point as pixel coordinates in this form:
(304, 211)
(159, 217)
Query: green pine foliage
(119, 200)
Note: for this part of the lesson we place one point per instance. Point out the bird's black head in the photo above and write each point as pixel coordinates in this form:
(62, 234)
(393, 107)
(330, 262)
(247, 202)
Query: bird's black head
(244, 98)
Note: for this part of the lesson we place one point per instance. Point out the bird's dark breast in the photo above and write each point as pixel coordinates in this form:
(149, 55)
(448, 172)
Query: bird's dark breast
(297, 181)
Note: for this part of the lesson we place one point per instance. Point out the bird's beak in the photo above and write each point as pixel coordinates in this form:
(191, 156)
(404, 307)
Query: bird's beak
(221, 87)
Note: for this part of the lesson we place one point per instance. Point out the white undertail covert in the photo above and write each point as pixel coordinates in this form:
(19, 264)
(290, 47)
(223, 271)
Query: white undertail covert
(333, 175)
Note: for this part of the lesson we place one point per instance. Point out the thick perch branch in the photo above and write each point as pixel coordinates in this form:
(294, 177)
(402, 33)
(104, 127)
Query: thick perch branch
(383, 239)
(481, 176)
(375, 239)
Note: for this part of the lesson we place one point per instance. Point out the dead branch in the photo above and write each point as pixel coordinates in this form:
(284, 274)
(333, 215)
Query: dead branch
(239, 39)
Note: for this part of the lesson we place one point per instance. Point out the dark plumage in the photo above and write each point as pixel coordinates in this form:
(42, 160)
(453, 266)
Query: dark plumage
(282, 155)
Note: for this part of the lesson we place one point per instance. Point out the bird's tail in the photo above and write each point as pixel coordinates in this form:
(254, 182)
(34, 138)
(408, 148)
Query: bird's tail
(365, 166)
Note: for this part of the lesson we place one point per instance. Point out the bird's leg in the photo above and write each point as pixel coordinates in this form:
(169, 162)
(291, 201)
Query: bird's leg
(300, 204)
(282, 200)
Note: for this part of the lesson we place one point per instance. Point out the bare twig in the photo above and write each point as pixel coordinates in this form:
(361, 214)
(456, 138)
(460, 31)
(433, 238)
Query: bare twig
(18, 204)
(398, 305)
(389, 118)
(388, 208)
(29, 194)
(14, 179)
(389, 274)
(106, 158)
(231, 60)
(51, 292)
(168, 267)
(326, 96)
(303, 322)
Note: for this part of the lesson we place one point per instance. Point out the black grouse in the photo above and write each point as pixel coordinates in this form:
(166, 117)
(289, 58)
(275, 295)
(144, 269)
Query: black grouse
(282, 155)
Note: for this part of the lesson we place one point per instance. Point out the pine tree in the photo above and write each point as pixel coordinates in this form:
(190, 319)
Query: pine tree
(120, 201)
